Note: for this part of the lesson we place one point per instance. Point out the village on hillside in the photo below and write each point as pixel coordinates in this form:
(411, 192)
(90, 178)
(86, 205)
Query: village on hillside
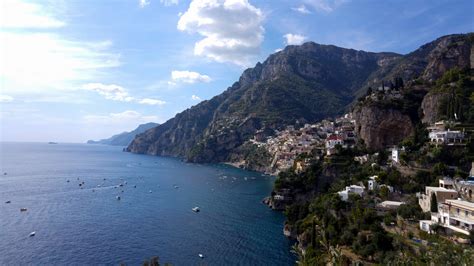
(450, 204)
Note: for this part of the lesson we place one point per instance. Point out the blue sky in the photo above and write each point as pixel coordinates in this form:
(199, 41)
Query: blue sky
(86, 69)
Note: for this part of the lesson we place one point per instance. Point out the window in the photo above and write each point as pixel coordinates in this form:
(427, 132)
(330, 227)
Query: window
(457, 210)
(466, 213)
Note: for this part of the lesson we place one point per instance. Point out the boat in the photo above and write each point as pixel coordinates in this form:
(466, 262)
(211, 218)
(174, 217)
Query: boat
(33, 233)
(118, 197)
(176, 187)
(196, 209)
(52, 142)
(23, 209)
(149, 191)
(201, 256)
(8, 201)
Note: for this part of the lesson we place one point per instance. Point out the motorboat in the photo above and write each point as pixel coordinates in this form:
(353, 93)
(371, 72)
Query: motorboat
(33, 233)
(196, 209)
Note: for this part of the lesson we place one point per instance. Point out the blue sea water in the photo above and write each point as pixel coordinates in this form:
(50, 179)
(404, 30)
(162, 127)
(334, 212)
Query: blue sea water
(84, 226)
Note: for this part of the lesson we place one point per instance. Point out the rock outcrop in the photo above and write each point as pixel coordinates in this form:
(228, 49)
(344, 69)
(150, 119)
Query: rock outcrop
(431, 106)
(380, 127)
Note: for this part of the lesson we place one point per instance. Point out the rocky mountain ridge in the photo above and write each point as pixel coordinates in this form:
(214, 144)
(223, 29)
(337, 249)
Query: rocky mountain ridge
(300, 84)
(124, 138)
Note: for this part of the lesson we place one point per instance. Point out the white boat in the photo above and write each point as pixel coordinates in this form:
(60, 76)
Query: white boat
(201, 256)
(33, 233)
(196, 209)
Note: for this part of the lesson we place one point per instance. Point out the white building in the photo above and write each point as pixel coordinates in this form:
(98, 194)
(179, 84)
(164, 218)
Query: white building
(352, 189)
(457, 215)
(446, 137)
(442, 194)
(395, 155)
(388, 204)
(373, 185)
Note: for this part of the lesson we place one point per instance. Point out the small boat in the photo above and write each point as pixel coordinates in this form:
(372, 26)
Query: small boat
(67, 181)
(52, 142)
(23, 209)
(118, 197)
(149, 191)
(5, 173)
(135, 186)
(33, 233)
(196, 209)
(8, 201)
(201, 256)
(98, 185)
(176, 187)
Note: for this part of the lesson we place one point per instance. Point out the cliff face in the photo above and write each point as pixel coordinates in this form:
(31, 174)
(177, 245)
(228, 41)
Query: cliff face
(303, 83)
(380, 127)
(431, 106)
(387, 123)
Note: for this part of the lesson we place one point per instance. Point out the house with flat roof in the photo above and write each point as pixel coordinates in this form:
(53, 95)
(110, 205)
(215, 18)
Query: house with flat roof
(352, 189)
(457, 215)
(442, 194)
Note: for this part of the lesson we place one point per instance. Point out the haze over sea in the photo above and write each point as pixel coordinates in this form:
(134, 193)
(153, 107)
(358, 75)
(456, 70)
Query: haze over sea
(79, 226)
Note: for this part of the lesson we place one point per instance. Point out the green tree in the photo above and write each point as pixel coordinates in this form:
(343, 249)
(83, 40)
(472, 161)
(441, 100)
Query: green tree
(434, 203)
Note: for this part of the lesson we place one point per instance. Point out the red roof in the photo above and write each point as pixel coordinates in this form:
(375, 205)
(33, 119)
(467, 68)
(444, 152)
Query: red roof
(334, 137)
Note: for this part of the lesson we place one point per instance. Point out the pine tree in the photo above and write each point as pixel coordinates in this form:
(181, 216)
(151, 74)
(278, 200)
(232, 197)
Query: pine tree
(434, 203)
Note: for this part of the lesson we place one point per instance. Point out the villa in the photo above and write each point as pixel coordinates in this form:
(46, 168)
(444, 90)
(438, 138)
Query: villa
(352, 189)
(457, 215)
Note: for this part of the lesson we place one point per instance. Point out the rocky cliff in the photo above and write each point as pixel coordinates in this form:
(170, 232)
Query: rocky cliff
(380, 127)
(303, 83)
(431, 106)
(382, 122)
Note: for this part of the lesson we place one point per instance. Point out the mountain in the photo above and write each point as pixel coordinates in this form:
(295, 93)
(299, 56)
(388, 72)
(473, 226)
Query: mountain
(384, 122)
(300, 84)
(124, 138)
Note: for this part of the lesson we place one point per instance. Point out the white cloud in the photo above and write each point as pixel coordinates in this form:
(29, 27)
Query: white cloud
(150, 101)
(232, 29)
(35, 60)
(20, 14)
(5, 98)
(188, 77)
(294, 39)
(326, 5)
(169, 2)
(125, 117)
(110, 92)
(143, 3)
(195, 98)
(301, 9)
(118, 93)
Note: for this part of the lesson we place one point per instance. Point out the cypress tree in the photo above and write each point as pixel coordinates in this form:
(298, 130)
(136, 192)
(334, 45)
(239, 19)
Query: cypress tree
(434, 203)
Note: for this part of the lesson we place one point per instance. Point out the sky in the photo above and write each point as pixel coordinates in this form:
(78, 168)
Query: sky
(73, 70)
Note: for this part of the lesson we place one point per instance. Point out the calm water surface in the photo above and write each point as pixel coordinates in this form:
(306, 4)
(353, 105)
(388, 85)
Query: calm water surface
(88, 225)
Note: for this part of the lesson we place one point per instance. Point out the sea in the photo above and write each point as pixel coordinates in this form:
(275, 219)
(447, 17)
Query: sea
(71, 195)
